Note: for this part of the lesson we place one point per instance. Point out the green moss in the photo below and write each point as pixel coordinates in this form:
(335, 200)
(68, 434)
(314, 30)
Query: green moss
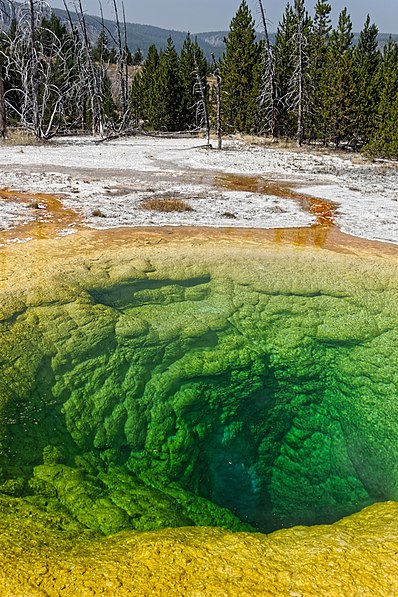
(269, 392)
(15, 487)
(53, 455)
(115, 500)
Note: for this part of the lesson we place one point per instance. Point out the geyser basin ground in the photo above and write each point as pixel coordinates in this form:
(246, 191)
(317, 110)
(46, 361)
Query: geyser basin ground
(150, 383)
(106, 185)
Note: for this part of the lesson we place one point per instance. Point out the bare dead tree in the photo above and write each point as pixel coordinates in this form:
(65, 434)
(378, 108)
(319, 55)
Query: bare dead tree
(23, 59)
(40, 96)
(32, 74)
(3, 111)
(202, 114)
(90, 75)
(296, 99)
(126, 111)
(122, 62)
(299, 74)
(268, 98)
(52, 76)
(6, 10)
(102, 67)
(77, 52)
(217, 76)
(5, 16)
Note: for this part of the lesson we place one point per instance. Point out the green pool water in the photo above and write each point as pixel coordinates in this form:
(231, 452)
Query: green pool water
(254, 392)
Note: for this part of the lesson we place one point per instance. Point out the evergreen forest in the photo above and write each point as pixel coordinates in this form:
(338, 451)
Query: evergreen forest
(310, 85)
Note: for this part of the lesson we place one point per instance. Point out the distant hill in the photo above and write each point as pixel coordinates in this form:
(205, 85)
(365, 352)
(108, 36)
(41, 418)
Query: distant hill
(382, 38)
(143, 36)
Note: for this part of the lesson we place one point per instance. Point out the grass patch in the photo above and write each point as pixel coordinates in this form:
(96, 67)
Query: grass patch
(34, 205)
(16, 136)
(97, 213)
(166, 204)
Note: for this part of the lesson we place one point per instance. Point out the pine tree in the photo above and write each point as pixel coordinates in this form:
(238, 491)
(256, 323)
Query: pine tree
(136, 103)
(384, 137)
(112, 56)
(340, 101)
(241, 73)
(167, 90)
(108, 102)
(319, 78)
(137, 58)
(101, 50)
(342, 37)
(50, 32)
(143, 98)
(155, 91)
(366, 59)
(188, 80)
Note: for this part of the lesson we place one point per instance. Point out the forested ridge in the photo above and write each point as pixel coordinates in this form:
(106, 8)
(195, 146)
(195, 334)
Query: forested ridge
(309, 83)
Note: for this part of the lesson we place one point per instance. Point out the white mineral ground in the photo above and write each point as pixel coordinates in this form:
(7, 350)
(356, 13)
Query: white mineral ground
(106, 183)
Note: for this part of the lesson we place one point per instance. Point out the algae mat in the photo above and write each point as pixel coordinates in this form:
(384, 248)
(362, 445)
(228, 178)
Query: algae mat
(354, 557)
(149, 383)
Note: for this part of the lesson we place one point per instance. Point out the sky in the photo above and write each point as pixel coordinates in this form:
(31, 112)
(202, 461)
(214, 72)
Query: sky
(214, 15)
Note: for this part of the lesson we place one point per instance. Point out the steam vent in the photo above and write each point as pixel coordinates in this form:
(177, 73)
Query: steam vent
(192, 415)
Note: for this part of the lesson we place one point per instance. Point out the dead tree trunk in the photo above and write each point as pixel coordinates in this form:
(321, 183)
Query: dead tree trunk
(90, 76)
(219, 106)
(202, 102)
(82, 119)
(300, 75)
(126, 67)
(3, 113)
(270, 90)
(297, 96)
(122, 62)
(34, 72)
(41, 69)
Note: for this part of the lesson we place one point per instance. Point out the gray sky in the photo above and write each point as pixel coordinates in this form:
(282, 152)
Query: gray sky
(214, 15)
